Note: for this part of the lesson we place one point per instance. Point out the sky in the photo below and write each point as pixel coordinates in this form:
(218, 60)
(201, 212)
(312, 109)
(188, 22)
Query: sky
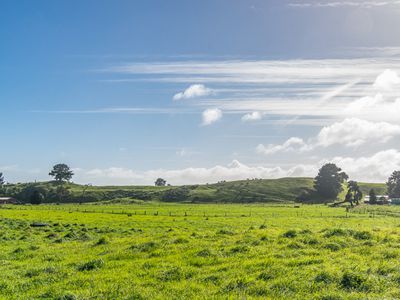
(125, 92)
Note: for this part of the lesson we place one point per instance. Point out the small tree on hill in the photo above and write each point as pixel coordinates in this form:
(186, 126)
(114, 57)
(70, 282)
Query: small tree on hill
(160, 182)
(328, 182)
(61, 173)
(372, 197)
(393, 185)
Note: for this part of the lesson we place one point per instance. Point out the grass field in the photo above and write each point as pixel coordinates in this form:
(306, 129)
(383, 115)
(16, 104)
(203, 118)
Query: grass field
(281, 190)
(184, 251)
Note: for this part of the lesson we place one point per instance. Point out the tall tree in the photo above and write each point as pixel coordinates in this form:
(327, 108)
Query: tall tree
(1, 179)
(393, 185)
(372, 197)
(329, 180)
(61, 173)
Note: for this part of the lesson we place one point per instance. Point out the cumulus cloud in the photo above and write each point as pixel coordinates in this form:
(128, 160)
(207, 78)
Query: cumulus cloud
(211, 115)
(355, 132)
(387, 80)
(253, 116)
(351, 132)
(383, 103)
(193, 91)
(233, 171)
(374, 168)
(292, 144)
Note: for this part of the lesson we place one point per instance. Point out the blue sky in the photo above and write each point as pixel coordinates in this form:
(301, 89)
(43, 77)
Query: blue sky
(199, 91)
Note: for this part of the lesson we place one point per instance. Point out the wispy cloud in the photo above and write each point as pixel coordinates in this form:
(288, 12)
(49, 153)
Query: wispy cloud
(333, 4)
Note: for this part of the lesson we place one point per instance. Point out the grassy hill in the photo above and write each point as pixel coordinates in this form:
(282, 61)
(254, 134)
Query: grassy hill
(244, 191)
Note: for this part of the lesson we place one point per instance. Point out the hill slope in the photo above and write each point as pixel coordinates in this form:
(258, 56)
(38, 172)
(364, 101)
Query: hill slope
(244, 191)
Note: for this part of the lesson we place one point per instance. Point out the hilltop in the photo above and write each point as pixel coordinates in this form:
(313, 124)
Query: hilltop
(281, 190)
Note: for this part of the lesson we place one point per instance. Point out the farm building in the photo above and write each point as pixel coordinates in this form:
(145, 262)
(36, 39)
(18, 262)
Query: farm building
(7, 200)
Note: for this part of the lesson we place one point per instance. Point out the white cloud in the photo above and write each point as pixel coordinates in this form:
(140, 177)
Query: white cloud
(211, 115)
(233, 171)
(387, 80)
(355, 132)
(350, 132)
(333, 4)
(383, 103)
(374, 168)
(292, 144)
(253, 116)
(193, 91)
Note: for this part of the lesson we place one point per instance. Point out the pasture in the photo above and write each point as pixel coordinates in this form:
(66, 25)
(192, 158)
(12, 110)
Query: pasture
(198, 251)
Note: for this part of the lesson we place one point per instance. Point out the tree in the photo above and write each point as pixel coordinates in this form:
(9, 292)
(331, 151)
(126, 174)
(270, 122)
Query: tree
(61, 173)
(160, 182)
(36, 197)
(349, 198)
(354, 194)
(372, 197)
(328, 182)
(2, 183)
(393, 185)
(355, 190)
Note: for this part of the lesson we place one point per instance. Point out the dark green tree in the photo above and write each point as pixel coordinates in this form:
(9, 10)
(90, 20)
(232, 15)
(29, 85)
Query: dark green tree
(36, 197)
(1, 179)
(61, 173)
(393, 185)
(355, 190)
(372, 197)
(349, 198)
(160, 182)
(354, 194)
(329, 180)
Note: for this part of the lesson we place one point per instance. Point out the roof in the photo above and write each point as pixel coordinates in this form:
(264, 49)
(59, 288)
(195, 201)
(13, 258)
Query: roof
(6, 198)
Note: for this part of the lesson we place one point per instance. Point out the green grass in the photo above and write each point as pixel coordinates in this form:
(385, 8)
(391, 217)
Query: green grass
(245, 191)
(203, 251)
